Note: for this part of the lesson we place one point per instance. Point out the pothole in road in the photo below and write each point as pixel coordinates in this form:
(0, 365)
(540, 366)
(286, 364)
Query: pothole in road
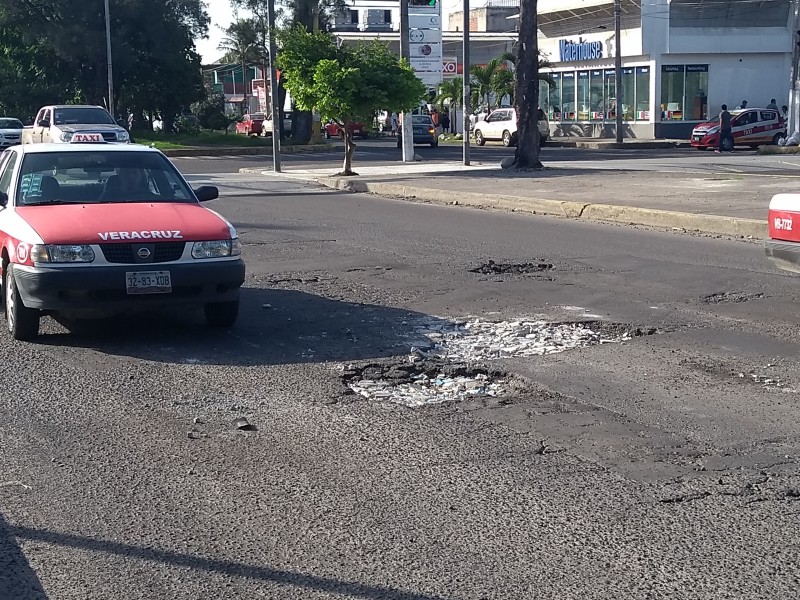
(487, 340)
(429, 382)
(719, 369)
(732, 297)
(493, 268)
(444, 365)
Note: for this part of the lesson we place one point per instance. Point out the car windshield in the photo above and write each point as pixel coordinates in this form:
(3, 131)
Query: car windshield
(99, 177)
(421, 120)
(10, 124)
(85, 115)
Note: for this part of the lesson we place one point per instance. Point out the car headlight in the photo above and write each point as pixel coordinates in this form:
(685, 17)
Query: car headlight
(216, 248)
(66, 136)
(713, 130)
(123, 136)
(62, 253)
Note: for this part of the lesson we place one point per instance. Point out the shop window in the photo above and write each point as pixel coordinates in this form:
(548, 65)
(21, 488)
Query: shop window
(672, 92)
(583, 96)
(610, 96)
(642, 94)
(596, 100)
(554, 97)
(568, 96)
(697, 92)
(628, 94)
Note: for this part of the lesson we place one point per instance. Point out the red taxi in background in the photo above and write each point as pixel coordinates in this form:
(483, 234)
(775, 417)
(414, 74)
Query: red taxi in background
(752, 127)
(783, 245)
(356, 130)
(251, 124)
(90, 229)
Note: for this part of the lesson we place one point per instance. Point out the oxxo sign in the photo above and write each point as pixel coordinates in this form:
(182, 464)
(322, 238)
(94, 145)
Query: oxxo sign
(580, 50)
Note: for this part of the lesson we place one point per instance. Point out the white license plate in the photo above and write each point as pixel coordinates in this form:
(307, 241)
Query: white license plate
(148, 282)
(697, 138)
(356, 131)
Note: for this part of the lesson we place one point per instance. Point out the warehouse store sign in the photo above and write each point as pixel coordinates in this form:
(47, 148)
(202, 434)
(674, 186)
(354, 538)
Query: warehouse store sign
(580, 50)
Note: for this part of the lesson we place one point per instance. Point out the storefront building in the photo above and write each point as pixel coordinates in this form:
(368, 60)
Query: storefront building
(681, 60)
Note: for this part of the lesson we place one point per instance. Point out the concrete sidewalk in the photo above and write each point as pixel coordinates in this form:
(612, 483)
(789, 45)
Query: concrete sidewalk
(729, 204)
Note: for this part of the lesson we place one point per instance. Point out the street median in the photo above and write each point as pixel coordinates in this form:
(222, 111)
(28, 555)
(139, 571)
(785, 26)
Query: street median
(243, 151)
(628, 215)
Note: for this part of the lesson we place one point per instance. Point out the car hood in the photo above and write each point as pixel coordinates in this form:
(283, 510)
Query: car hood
(707, 125)
(88, 127)
(128, 222)
(11, 131)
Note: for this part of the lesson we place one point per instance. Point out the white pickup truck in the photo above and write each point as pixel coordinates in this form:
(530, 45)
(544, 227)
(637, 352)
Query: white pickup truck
(57, 124)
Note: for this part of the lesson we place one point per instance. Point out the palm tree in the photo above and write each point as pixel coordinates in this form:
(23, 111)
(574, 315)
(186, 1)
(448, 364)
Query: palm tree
(452, 92)
(241, 45)
(511, 57)
(485, 79)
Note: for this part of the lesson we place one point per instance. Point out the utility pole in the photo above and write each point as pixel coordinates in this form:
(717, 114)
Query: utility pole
(273, 91)
(108, 60)
(794, 85)
(465, 69)
(406, 127)
(618, 68)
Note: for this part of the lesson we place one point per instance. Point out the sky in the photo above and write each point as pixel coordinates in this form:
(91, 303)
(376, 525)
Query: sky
(221, 15)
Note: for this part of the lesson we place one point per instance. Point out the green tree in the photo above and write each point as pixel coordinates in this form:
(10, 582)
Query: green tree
(347, 84)
(63, 57)
(452, 92)
(507, 89)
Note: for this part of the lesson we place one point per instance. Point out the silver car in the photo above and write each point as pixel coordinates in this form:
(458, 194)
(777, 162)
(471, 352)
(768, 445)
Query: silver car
(10, 132)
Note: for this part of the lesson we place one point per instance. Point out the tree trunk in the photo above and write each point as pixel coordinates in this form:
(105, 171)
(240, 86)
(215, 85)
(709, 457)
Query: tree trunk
(526, 91)
(349, 150)
(301, 126)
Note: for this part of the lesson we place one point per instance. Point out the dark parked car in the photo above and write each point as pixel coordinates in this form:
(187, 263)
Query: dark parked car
(424, 131)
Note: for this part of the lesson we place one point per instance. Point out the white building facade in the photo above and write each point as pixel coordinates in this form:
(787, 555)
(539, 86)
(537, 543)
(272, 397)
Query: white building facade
(681, 59)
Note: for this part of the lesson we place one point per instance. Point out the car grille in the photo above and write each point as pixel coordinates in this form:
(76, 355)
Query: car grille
(160, 252)
(10, 136)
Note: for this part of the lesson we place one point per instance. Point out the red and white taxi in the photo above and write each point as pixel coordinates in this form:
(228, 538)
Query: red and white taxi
(783, 247)
(752, 127)
(91, 229)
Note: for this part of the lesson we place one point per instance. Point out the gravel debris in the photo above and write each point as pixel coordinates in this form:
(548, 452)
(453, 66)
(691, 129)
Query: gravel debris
(485, 340)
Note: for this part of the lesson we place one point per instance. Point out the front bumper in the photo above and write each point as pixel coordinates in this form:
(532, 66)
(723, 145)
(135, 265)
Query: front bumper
(103, 287)
(705, 141)
(784, 255)
(5, 142)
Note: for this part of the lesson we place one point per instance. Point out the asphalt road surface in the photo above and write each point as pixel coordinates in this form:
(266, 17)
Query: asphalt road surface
(663, 466)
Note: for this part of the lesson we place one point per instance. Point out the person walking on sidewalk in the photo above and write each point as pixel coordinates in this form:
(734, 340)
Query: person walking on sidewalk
(724, 129)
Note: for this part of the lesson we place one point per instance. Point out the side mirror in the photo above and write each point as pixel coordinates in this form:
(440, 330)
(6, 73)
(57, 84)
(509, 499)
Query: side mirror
(3, 199)
(206, 192)
(44, 123)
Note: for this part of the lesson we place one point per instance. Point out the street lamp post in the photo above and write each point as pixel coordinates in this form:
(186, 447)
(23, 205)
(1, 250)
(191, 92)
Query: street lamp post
(273, 91)
(108, 60)
(618, 69)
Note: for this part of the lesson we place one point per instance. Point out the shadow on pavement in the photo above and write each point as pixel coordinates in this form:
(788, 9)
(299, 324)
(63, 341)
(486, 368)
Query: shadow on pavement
(285, 578)
(275, 327)
(17, 579)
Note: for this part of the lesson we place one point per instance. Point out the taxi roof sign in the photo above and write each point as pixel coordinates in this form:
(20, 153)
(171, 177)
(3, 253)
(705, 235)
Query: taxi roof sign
(82, 138)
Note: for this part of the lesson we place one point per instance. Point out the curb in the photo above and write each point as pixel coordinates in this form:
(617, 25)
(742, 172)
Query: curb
(243, 151)
(778, 150)
(608, 145)
(629, 215)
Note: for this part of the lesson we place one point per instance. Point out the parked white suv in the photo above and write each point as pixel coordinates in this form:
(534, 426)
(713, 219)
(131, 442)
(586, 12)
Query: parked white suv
(501, 124)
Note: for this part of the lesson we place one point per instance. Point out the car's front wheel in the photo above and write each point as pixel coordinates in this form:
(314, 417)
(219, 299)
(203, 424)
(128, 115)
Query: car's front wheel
(479, 139)
(22, 322)
(776, 140)
(507, 139)
(222, 314)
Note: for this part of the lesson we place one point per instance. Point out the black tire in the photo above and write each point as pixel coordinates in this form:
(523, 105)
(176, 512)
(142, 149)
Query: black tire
(507, 139)
(778, 137)
(22, 322)
(222, 314)
(479, 139)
